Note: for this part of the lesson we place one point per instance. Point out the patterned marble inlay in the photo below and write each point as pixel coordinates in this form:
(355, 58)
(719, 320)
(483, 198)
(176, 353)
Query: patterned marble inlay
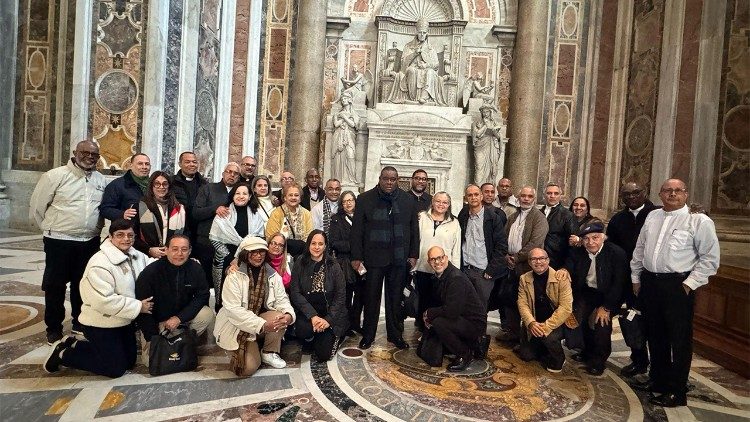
(207, 86)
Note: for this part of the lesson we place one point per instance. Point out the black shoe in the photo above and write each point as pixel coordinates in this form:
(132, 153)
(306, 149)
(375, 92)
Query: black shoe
(648, 387)
(77, 330)
(53, 361)
(669, 400)
(633, 370)
(578, 357)
(307, 347)
(550, 366)
(54, 337)
(460, 363)
(483, 345)
(365, 344)
(400, 343)
(594, 370)
(350, 333)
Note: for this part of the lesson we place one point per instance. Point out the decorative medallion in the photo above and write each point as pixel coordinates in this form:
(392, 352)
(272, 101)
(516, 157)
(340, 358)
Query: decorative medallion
(116, 91)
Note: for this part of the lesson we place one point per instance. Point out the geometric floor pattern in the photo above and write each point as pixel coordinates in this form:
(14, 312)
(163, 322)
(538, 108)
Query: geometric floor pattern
(380, 384)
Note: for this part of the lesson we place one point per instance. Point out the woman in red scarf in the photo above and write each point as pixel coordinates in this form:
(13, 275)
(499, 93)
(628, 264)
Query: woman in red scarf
(279, 259)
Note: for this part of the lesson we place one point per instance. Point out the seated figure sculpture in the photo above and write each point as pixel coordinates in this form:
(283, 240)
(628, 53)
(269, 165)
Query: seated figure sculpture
(418, 81)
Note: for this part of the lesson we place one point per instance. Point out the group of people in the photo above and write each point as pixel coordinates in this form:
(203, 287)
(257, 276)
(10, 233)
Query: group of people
(316, 261)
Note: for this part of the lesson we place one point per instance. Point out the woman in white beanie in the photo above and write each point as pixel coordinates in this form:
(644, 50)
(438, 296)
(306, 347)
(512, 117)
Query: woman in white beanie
(255, 306)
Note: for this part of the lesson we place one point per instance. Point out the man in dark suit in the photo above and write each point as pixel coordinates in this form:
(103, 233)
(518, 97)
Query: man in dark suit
(562, 223)
(623, 230)
(418, 191)
(212, 200)
(312, 193)
(599, 271)
(248, 165)
(186, 184)
(385, 237)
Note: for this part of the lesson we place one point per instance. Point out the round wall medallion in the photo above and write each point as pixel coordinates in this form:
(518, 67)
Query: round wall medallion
(116, 91)
(736, 128)
(37, 69)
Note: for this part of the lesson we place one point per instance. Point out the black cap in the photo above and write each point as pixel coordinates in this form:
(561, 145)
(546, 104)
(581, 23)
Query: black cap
(591, 228)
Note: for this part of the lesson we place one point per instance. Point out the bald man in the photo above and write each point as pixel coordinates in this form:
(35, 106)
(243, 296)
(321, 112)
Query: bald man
(65, 206)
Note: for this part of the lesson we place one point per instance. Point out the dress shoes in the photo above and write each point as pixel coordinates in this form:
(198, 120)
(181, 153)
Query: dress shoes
(578, 357)
(365, 344)
(648, 386)
(400, 343)
(483, 345)
(633, 370)
(460, 363)
(594, 371)
(669, 400)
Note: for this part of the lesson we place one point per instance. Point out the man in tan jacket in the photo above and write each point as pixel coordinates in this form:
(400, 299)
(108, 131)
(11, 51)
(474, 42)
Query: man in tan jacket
(545, 301)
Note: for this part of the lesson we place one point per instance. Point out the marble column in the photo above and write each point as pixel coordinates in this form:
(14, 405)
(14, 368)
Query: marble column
(307, 89)
(8, 40)
(527, 93)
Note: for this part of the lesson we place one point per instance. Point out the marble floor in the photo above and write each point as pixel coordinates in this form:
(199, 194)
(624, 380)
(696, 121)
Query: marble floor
(379, 384)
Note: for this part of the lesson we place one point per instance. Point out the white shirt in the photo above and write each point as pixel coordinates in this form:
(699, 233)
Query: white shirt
(591, 275)
(676, 242)
(515, 233)
(637, 210)
(317, 213)
(511, 200)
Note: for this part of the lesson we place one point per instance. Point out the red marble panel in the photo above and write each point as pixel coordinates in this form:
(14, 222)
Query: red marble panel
(602, 105)
(361, 6)
(272, 135)
(566, 65)
(482, 9)
(686, 95)
(277, 55)
(479, 64)
(237, 111)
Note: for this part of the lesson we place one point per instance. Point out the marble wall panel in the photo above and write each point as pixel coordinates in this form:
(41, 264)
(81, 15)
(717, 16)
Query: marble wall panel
(277, 61)
(67, 89)
(643, 83)
(239, 80)
(36, 82)
(117, 79)
(204, 138)
(330, 73)
(482, 11)
(502, 89)
(731, 194)
(172, 85)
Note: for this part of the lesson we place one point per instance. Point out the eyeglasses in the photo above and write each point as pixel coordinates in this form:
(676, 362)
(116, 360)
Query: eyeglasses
(287, 178)
(124, 235)
(419, 179)
(539, 259)
(436, 259)
(88, 154)
(347, 201)
(258, 252)
(673, 191)
(161, 185)
(276, 244)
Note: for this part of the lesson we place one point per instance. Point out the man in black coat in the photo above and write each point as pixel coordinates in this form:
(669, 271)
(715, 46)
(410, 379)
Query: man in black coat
(212, 200)
(623, 230)
(179, 290)
(385, 237)
(484, 245)
(562, 224)
(122, 195)
(312, 193)
(598, 272)
(418, 191)
(185, 184)
(459, 321)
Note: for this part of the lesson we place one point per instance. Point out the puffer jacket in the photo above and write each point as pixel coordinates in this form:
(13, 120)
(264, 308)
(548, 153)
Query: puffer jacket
(234, 315)
(559, 293)
(66, 201)
(108, 287)
(447, 235)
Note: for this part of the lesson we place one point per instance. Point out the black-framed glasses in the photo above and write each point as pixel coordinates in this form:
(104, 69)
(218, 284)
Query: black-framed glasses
(539, 259)
(436, 259)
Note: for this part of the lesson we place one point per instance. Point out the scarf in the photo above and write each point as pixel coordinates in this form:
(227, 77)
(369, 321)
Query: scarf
(255, 296)
(326, 215)
(276, 263)
(142, 182)
(223, 228)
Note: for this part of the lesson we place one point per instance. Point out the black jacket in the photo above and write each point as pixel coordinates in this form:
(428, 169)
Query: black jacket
(623, 229)
(423, 202)
(495, 240)
(612, 273)
(186, 193)
(457, 298)
(119, 195)
(305, 201)
(562, 224)
(210, 196)
(178, 291)
(339, 236)
(335, 287)
(383, 232)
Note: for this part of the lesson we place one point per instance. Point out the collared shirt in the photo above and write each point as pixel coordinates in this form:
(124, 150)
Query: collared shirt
(475, 250)
(512, 200)
(317, 212)
(515, 233)
(591, 275)
(637, 210)
(676, 242)
(548, 209)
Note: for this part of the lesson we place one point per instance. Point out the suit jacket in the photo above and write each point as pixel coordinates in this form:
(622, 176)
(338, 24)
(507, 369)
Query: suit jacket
(559, 293)
(562, 224)
(612, 272)
(209, 198)
(534, 232)
(495, 240)
(305, 201)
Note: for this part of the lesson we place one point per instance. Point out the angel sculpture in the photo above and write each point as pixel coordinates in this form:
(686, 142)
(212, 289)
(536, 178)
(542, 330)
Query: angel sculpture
(474, 89)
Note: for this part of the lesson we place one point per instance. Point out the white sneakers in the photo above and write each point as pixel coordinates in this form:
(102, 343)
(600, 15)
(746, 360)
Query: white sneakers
(273, 359)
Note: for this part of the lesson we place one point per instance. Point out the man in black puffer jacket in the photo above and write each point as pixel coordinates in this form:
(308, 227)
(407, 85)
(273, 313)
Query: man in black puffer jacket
(562, 223)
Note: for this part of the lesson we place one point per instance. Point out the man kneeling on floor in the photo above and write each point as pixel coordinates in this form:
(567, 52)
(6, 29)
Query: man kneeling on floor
(459, 322)
(545, 301)
(180, 291)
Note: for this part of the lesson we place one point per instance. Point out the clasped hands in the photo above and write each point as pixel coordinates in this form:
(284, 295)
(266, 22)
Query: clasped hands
(278, 323)
(319, 324)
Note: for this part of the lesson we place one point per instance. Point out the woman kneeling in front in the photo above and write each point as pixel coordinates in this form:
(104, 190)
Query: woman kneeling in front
(255, 312)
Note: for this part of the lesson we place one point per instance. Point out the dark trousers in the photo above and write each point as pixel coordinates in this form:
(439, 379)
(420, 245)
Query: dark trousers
(510, 304)
(639, 356)
(108, 351)
(354, 301)
(203, 251)
(65, 262)
(395, 277)
(423, 284)
(598, 340)
(483, 286)
(458, 335)
(669, 317)
(324, 343)
(547, 348)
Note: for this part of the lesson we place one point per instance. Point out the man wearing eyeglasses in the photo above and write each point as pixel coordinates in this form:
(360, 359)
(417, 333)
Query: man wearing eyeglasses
(248, 165)
(675, 254)
(65, 205)
(623, 230)
(458, 319)
(287, 179)
(418, 191)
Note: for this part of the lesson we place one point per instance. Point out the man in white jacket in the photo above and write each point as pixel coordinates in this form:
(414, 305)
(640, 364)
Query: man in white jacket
(65, 205)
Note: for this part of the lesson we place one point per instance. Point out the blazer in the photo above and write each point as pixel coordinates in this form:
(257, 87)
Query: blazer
(612, 272)
(559, 293)
(534, 232)
(495, 240)
(305, 201)
(209, 198)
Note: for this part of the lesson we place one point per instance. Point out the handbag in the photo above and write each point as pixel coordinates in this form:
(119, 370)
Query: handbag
(171, 352)
(430, 349)
(632, 326)
(410, 300)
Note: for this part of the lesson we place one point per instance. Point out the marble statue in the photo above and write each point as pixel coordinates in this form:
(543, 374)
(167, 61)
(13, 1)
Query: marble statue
(418, 81)
(355, 83)
(397, 150)
(344, 135)
(475, 89)
(488, 142)
(390, 69)
(437, 152)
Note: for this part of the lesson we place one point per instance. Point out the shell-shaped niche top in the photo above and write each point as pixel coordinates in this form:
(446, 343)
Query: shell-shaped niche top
(432, 10)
